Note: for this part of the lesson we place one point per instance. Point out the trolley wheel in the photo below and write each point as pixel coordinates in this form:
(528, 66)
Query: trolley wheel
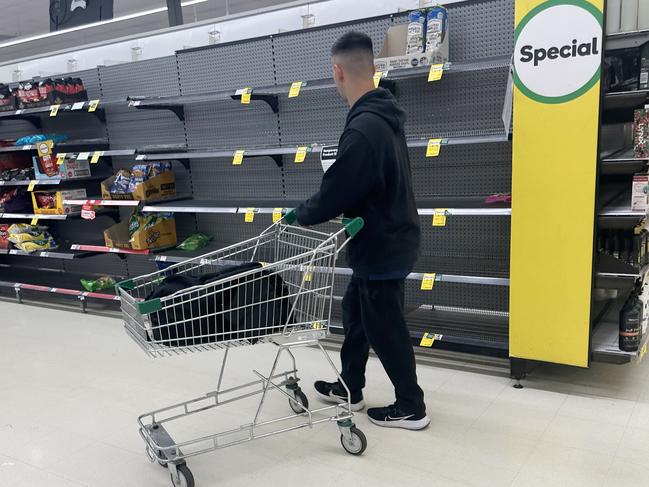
(357, 444)
(161, 463)
(301, 398)
(185, 477)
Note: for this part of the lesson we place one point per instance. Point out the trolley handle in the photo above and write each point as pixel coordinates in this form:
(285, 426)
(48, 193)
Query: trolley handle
(352, 225)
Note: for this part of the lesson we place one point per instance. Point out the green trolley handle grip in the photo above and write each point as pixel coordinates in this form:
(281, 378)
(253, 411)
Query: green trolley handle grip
(352, 225)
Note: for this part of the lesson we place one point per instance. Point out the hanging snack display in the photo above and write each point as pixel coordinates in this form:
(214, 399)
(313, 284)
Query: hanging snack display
(641, 133)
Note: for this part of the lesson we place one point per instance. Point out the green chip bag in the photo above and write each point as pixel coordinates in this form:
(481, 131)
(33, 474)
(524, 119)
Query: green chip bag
(195, 242)
(105, 283)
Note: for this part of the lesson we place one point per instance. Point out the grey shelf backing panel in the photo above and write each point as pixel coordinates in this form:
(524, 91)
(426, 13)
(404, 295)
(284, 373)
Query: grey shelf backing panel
(128, 127)
(226, 67)
(109, 265)
(230, 229)
(306, 55)
(462, 170)
(19, 262)
(219, 179)
(453, 106)
(474, 245)
(478, 29)
(139, 265)
(231, 124)
(314, 117)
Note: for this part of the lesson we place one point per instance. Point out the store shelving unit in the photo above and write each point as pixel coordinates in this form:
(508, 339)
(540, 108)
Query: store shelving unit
(186, 108)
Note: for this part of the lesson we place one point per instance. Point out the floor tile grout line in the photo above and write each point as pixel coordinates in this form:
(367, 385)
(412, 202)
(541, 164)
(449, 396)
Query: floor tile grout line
(46, 470)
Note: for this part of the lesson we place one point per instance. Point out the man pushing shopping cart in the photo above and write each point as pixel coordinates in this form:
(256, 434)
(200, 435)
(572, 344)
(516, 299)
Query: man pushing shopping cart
(371, 179)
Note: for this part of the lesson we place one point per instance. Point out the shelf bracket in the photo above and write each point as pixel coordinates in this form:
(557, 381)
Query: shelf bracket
(271, 100)
(179, 110)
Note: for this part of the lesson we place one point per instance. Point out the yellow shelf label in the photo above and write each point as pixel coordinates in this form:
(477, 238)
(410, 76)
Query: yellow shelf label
(250, 215)
(238, 157)
(427, 340)
(34, 220)
(92, 106)
(60, 158)
(95, 156)
(277, 214)
(643, 351)
(439, 218)
(436, 72)
(317, 325)
(377, 77)
(300, 154)
(428, 282)
(245, 96)
(294, 92)
(54, 110)
(433, 147)
(32, 183)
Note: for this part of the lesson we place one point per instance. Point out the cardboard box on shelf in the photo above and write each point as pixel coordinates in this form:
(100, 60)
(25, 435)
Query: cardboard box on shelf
(163, 234)
(639, 191)
(155, 188)
(70, 169)
(58, 199)
(392, 55)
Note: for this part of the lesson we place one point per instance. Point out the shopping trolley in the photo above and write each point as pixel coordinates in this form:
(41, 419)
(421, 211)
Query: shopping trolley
(285, 301)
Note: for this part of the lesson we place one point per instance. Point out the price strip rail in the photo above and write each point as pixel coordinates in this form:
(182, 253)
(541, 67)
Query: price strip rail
(30, 216)
(33, 114)
(67, 143)
(42, 254)
(107, 250)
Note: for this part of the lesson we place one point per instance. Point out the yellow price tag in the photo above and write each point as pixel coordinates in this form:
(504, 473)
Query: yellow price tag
(250, 215)
(427, 340)
(92, 106)
(245, 96)
(300, 154)
(54, 110)
(317, 325)
(439, 218)
(643, 351)
(435, 73)
(34, 220)
(277, 214)
(44, 148)
(32, 183)
(433, 147)
(238, 157)
(294, 92)
(60, 158)
(377, 78)
(95, 156)
(428, 282)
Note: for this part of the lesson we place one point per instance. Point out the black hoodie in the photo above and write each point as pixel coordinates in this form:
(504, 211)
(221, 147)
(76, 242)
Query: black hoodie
(371, 178)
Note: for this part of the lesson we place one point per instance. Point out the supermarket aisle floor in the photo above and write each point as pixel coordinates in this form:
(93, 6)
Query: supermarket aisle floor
(72, 385)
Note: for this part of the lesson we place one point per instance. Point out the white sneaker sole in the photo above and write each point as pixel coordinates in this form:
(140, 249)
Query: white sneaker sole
(355, 407)
(413, 425)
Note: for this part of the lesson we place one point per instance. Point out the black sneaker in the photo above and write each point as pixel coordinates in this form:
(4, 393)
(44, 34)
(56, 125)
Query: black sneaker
(335, 393)
(393, 417)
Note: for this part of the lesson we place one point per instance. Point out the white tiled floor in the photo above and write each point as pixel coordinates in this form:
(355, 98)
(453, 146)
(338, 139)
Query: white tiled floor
(71, 386)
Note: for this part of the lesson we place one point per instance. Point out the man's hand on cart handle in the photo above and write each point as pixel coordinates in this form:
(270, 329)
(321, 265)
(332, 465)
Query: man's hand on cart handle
(352, 225)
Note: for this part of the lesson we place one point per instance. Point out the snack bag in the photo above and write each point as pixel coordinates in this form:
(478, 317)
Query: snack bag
(105, 283)
(122, 182)
(139, 174)
(195, 242)
(37, 245)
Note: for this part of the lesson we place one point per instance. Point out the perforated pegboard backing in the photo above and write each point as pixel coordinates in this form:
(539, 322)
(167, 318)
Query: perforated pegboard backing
(218, 179)
(227, 124)
(315, 117)
(462, 170)
(478, 29)
(226, 67)
(130, 128)
(306, 55)
(460, 104)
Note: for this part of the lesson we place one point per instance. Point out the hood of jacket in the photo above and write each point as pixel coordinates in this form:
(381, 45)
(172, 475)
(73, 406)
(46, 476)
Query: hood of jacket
(381, 102)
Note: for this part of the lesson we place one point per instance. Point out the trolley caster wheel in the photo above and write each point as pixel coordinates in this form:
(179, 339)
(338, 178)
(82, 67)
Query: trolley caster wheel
(161, 463)
(301, 398)
(185, 477)
(357, 444)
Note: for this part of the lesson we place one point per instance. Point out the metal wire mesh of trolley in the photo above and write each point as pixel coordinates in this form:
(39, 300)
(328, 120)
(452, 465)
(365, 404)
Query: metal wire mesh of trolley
(283, 296)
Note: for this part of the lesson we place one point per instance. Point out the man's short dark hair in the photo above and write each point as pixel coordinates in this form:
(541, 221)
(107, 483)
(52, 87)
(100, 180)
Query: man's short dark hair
(352, 42)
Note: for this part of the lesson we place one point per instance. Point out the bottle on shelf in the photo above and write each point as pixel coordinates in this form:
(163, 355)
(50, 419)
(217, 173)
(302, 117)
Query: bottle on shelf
(629, 17)
(613, 16)
(631, 324)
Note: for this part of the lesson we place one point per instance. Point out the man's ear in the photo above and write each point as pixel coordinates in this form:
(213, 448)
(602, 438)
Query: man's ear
(338, 72)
